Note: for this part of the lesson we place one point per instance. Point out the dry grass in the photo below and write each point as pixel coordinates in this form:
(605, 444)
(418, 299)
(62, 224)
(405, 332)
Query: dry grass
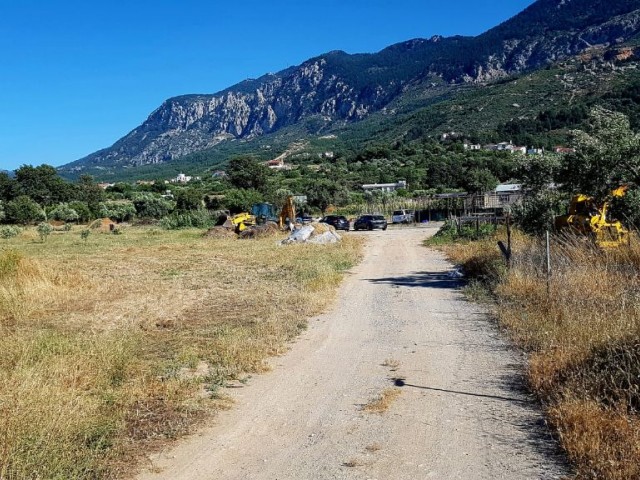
(109, 346)
(382, 402)
(583, 335)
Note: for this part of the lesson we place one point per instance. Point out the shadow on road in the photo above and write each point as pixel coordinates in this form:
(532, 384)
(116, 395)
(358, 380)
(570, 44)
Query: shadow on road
(399, 382)
(422, 279)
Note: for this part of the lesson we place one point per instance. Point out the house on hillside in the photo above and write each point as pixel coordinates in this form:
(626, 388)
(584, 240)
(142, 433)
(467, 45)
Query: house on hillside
(385, 187)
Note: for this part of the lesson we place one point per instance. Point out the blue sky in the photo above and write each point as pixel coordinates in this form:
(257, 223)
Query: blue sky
(75, 76)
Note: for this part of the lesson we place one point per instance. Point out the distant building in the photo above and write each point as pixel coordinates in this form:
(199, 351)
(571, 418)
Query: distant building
(560, 149)
(219, 174)
(385, 187)
(182, 178)
(471, 146)
(535, 151)
(504, 195)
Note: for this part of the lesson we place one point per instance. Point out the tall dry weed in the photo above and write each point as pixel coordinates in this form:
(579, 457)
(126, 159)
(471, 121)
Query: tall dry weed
(582, 329)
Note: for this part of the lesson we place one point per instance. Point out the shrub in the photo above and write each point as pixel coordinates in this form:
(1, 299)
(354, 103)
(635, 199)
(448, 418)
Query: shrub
(64, 213)
(9, 231)
(119, 211)
(44, 229)
(23, 210)
(195, 219)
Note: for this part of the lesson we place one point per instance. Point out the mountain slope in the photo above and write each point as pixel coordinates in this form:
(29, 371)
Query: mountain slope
(337, 88)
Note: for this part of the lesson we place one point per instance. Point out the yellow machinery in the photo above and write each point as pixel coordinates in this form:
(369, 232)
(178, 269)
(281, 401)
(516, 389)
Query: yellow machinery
(588, 218)
(239, 222)
(287, 213)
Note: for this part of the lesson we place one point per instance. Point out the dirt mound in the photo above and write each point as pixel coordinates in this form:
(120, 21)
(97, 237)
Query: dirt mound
(103, 225)
(219, 232)
(269, 229)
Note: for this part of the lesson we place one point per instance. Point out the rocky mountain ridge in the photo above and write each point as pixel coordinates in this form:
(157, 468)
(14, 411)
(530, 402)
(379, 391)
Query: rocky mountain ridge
(339, 88)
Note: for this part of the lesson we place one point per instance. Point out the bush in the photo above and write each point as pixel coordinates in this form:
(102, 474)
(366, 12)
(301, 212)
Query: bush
(120, 211)
(64, 213)
(450, 232)
(9, 231)
(44, 229)
(23, 210)
(195, 219)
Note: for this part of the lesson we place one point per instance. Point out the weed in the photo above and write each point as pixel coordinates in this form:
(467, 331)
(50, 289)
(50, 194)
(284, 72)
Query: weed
(382, 402)
(582, 329)
(94, 346)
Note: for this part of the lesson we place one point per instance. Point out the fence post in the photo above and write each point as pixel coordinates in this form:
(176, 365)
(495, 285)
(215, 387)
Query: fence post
(548, 265)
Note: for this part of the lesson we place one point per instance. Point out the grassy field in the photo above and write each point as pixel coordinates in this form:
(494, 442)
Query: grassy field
(583, 339)
(111, 346)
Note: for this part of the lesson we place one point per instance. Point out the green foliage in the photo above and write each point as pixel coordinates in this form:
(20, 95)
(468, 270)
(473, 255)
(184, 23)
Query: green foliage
(191, 219)
(64, 213)
(43, 185)
(247, 173)
(322, 193)
(44, 229)
(120, 211)
(84, 234)
(480, 180)
(188, 199)
(9, 231)
(149, 205)
(90, 193)
(450, 232)
(83, 210)
(538, 210)
(23, 210)
(241, 200)
(607, 155)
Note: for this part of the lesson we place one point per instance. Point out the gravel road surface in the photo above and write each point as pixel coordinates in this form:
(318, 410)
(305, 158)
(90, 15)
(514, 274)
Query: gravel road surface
(462, 412)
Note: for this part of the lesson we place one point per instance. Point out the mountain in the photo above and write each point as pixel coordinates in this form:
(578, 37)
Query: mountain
(337, 89)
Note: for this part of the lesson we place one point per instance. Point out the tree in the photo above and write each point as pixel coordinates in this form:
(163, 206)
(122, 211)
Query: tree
(43, 185)
(247, 173)
(90, 193)
(120, 211)
(23, 210)
(64, 213)
(241, 200)
(480, 180)
(322, 193)
(188, 199)
(606, 156)
(7, 187)
(149, 205)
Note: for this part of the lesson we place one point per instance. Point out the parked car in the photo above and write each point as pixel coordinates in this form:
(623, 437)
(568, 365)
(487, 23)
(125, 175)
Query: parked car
(336, 221)
(304, 219)
(403, 216)
(369, 222)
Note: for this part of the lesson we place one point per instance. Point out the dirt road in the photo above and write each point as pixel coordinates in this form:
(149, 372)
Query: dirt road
(461, 414)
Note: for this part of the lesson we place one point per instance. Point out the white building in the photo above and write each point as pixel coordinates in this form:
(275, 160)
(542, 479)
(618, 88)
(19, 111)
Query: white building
(385, 187)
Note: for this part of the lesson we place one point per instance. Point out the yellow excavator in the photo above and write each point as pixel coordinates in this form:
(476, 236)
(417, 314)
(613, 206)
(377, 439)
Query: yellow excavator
(588, 217)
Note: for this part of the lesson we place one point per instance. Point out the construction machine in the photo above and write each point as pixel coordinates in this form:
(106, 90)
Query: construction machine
(287, 215)
(588, 217)
(238, 222)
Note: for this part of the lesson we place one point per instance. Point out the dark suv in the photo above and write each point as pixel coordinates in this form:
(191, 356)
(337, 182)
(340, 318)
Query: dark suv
(337, 221)
(369, 222)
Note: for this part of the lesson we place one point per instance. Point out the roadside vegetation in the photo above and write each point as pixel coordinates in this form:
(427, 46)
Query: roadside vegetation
(113, 344)
(582, 336)
(581, 324)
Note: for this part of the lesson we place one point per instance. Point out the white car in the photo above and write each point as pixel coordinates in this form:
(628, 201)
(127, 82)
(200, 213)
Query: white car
(403, 216)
